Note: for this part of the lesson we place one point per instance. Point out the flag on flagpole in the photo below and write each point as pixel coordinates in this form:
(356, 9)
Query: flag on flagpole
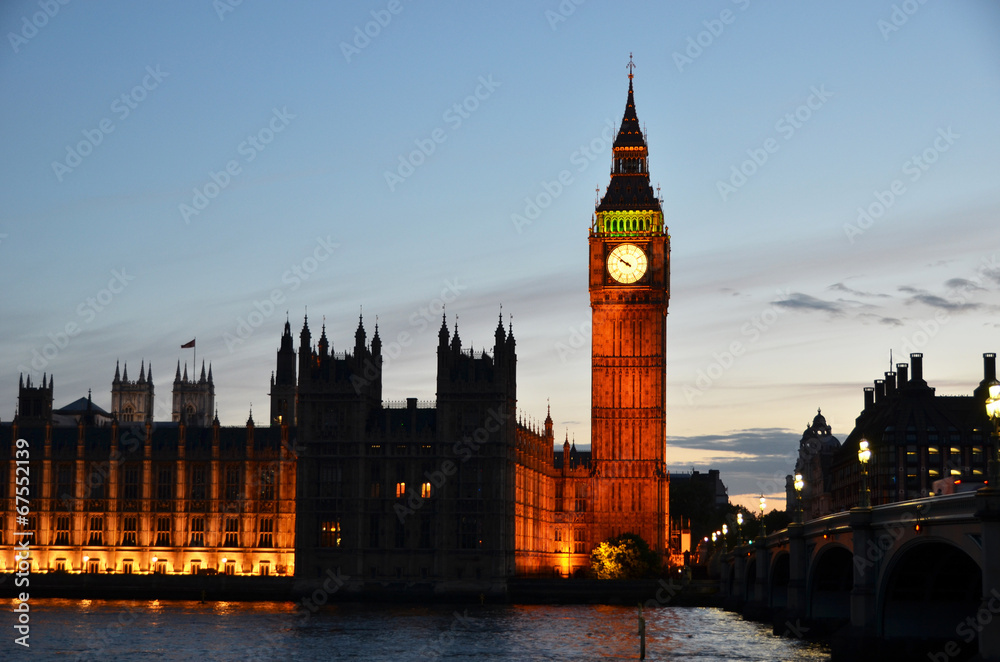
(188, 345)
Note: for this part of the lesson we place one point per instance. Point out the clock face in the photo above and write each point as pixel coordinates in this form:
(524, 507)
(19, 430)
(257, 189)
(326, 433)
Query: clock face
(627, 263)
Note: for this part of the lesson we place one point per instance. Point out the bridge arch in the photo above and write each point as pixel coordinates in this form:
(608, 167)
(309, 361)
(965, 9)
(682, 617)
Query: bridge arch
(830, 581)
(779, 576)
(926, 578)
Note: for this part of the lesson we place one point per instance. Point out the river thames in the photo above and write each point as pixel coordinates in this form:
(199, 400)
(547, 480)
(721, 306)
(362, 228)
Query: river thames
(169, 630)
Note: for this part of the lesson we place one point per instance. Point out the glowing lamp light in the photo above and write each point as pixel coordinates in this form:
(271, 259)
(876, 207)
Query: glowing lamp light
(864, 453)
(993, 411)
(799, 483)
(993, 401)
(763, 503)
(155, 559)
(739, 518)
(713, 536)
(725, 530)
(223, 561)
(86, 558)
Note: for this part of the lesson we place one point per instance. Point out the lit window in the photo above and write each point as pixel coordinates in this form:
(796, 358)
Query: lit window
(400, 489)
(425, 491)
(266, 533)
(329, 534)
(232, 532)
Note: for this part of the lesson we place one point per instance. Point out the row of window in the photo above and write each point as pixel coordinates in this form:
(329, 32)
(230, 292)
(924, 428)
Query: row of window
(129, 533)
(470, 533)
(164, 487)
(160, 567)
(579, 540)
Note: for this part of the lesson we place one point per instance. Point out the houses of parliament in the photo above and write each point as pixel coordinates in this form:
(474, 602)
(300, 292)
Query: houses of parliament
(454, 492)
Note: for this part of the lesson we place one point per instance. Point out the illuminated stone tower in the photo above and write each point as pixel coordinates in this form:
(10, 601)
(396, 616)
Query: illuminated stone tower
(629, 291)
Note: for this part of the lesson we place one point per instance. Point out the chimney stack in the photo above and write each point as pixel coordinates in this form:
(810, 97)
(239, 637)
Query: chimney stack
(989, 367)
(890, 384)
(869, 397)
(902, 370)
(879, 390)
(917, 361)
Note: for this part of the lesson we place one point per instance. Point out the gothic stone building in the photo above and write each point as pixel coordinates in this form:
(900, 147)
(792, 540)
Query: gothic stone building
(456, 493)
(145, 497)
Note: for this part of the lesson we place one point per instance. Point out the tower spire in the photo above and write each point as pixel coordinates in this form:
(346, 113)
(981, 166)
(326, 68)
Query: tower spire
(629, 190)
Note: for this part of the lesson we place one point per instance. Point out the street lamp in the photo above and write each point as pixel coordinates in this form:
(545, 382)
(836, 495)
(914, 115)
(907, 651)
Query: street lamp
(993, 411)
(763, 505)
(799, 484)
(864, 454)
(739, 528)
(725, 537)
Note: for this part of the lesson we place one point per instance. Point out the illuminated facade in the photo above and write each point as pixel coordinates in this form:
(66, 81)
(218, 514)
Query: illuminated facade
(141, 498)
(629, 293)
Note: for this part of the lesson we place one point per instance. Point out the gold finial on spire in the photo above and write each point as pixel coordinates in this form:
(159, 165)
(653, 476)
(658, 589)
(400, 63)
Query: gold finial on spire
(630, 66)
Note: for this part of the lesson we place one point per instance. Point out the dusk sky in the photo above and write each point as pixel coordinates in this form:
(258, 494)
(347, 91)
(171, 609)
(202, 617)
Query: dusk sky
(828, 174)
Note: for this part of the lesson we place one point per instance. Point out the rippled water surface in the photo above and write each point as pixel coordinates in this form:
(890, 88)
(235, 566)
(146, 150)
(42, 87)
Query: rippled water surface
(160, 630)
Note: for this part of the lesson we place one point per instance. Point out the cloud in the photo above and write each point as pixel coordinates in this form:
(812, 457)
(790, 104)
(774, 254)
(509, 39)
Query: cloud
(992, 274)
(749, 461)
(935, 301)
(880, 319)
(963, 284)
(840, 287)
(800, 301)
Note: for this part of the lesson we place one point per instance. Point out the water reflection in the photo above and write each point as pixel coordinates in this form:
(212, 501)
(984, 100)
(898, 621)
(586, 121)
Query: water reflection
(139, 630)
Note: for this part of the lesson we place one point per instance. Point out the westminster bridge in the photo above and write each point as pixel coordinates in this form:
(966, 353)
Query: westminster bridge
(918, 579)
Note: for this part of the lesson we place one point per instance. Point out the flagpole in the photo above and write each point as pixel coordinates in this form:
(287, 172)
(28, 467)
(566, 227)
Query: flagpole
(194, 346)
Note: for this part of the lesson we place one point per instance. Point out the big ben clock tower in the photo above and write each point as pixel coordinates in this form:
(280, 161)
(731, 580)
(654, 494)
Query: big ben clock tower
(629, 291)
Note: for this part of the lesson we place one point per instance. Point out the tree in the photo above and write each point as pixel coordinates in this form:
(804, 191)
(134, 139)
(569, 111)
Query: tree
(627, 556)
